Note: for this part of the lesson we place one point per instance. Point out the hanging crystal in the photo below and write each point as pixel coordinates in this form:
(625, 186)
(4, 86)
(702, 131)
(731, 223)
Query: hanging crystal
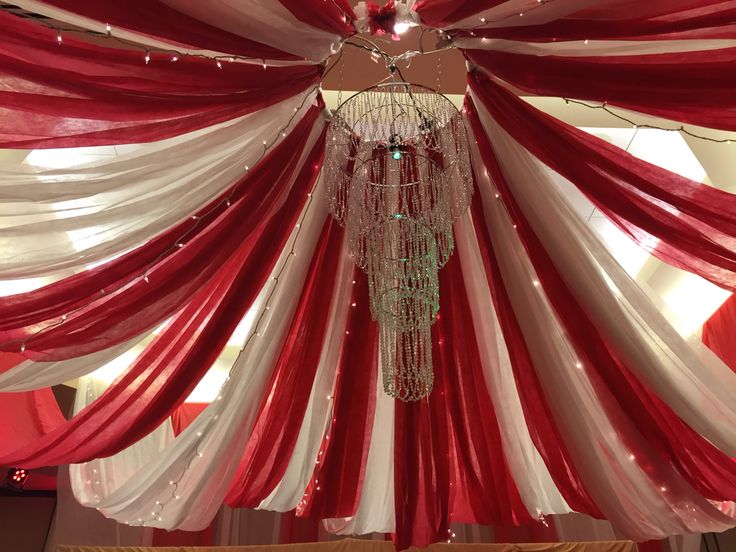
(397, 176)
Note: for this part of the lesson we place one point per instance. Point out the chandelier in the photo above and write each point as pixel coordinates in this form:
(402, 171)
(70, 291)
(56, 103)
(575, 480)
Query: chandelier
(397, 175)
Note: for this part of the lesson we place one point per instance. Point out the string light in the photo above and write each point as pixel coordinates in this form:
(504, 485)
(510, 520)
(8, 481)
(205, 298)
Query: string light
(484, 21)
(107, 34)
(177, 244)
(634, 124)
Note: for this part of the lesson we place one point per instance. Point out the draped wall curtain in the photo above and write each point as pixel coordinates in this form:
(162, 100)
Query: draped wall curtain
(559, 386)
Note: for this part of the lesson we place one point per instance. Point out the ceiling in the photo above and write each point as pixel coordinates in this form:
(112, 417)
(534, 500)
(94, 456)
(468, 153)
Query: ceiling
(354, 69)
(688, 299)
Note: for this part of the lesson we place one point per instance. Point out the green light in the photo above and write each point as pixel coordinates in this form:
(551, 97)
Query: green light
(397, 154)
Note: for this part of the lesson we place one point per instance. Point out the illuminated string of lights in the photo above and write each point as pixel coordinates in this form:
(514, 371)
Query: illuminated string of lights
(254, 332)
(173, 54)
(536, 286)
(605, 107)
(484, 21)
(179, 242)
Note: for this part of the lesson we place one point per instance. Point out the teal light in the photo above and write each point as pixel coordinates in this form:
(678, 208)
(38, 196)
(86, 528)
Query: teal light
(397, 154)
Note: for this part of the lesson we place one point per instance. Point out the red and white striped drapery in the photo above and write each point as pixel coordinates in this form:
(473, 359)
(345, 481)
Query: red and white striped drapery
(559, 387)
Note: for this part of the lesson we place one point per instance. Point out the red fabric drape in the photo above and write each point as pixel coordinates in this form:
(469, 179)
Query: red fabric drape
(448, 457)
(693, 222)
(185, 414)
(81, 94)
(718, 332)
(482, 488)
(166, 372)
(337, 480)
(627, 401)
(157, 19)
(691, 87)
(24, 417)
(275, 432)
(632, 20)
(131, 305)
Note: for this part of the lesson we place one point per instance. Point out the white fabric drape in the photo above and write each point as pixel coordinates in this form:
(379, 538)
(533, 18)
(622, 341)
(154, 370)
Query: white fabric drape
(95, 480)
(185, 486)
(507, 13)
(30, 375)
(640, 506)
(66, 218)
(585, 48)
(265, 21)
(694, 383)
(289, 491)
(536, 487)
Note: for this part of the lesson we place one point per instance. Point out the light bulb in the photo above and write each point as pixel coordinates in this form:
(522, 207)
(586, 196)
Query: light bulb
(401, 28)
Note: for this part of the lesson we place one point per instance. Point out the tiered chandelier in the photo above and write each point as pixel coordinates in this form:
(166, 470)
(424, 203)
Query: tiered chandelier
(397, 176)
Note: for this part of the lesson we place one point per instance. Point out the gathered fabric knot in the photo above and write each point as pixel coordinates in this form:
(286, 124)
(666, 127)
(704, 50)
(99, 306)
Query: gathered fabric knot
(387, 20)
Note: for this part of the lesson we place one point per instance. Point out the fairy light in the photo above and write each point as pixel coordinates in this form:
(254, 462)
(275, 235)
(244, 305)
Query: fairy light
(107, 34)
(219, 65)
(148, 57)
(177, 244)
(604, 106)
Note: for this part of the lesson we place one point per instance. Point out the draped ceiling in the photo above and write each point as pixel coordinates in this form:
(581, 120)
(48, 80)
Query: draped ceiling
(559, 386)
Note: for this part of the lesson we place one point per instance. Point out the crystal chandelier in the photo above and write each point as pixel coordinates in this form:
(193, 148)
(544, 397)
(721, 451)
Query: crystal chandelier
(397, 176)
